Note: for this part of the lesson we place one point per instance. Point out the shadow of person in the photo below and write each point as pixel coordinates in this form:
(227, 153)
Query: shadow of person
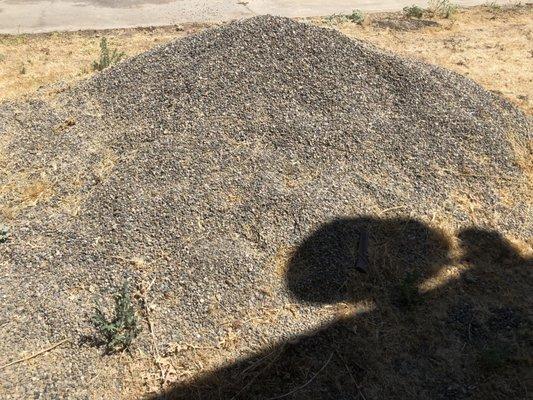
(414, 344)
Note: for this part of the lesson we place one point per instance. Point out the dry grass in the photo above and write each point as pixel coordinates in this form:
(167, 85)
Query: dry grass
(67, 56)
(491, 46)
(24, 190)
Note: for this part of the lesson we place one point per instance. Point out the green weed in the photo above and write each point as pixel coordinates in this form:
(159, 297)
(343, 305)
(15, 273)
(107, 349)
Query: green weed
(413, 11)
(107, 57)
(117, 333)
(356, 17)
(4, 233)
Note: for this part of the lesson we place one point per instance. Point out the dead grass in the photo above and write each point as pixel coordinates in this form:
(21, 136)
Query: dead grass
(67, 56)
(490, 46)
(281, 260)
(523, 157)
(24, 190)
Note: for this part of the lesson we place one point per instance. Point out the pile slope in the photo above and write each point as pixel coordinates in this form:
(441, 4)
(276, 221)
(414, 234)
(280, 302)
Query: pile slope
(199, 165)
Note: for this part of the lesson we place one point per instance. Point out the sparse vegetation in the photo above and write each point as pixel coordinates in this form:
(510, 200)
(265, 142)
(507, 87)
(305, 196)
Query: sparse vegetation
(443, 8)
(23, 70)
(2, 57)
(4, 233)
(493, 6)
(356, 17)
(334, 18)
(117, 333)
(407, 291)
(413, 11)
(52, 62)
(107, 57)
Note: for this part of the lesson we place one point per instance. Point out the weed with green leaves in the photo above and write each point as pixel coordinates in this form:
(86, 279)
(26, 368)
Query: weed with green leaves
(413, 11)
(107, 57)
(356, 17)
(117, 333)
(4, 233)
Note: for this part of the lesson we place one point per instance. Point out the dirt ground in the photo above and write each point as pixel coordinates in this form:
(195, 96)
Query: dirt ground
(490, 44)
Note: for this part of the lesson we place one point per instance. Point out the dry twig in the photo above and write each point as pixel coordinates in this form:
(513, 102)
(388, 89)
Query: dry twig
(351, 375)
(259, 362)
(35, 354)
(146, 307)
(306, 383)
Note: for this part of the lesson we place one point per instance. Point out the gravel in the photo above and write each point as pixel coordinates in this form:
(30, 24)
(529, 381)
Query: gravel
(197, 163)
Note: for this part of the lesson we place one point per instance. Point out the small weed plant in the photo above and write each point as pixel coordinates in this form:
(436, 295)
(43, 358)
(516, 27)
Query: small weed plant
(356, 17)
(118, 332)
(493, 6)
(443, 8)
(4, 233)
(107, 57)
(407, 292)
(413, 11)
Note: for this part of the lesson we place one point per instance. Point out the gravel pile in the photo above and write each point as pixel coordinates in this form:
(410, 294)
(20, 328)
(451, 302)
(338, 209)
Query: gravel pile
(199, 164)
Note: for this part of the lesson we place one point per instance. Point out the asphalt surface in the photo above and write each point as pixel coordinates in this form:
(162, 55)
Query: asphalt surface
(32, 16)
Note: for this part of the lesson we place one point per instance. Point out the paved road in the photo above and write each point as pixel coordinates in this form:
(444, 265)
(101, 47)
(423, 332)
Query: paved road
(25, 16)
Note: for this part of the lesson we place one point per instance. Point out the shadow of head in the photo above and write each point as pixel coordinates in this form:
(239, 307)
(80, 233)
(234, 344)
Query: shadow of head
(483, 247)
(498, 265)
(323, 268)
